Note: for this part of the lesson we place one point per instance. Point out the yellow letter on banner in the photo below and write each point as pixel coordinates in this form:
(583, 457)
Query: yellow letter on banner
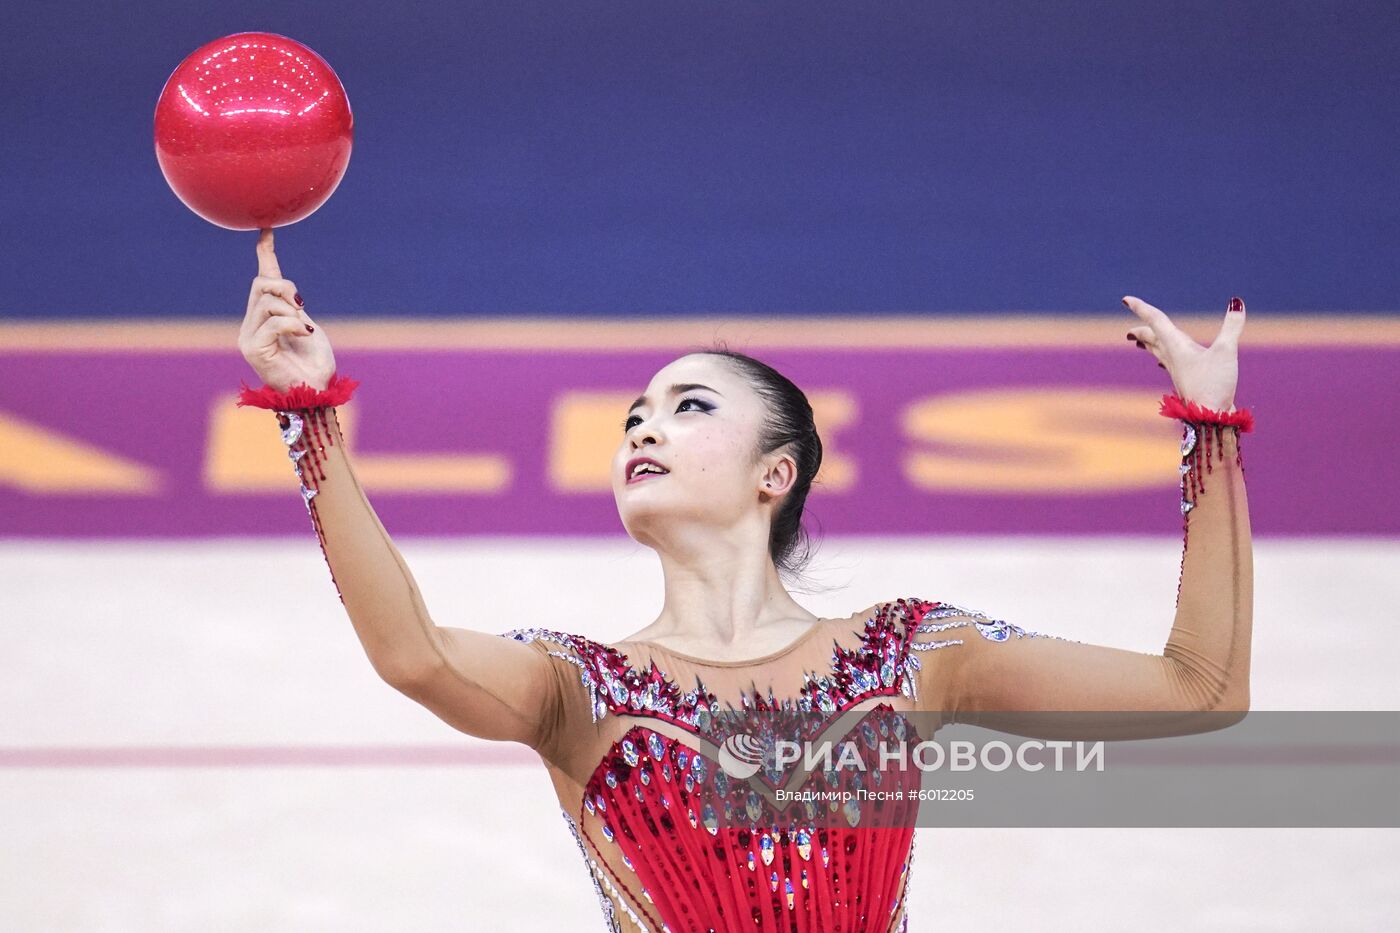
(1041, 440)
(246, 454)
(41, 461)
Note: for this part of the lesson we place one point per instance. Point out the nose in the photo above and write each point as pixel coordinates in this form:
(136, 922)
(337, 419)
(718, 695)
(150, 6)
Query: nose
(643, 433)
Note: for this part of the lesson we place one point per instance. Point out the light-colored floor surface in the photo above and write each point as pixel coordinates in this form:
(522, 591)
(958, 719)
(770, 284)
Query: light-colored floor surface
(121, 663)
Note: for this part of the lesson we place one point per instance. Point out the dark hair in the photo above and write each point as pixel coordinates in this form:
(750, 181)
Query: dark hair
(789, 422)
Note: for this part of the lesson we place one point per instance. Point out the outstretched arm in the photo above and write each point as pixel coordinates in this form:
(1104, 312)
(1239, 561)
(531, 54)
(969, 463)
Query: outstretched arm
(476, 681)
(1202, 673)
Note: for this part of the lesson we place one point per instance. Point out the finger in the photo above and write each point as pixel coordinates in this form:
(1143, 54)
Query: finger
(278, 326)
(1156, 350)
(269, 306)
(1142, 335)
(285, 289)
(267, 259)
(1152, 317)
(1156, 319)
(1233, 324)
(1168, 335)
(266, 337)
(1145, 339)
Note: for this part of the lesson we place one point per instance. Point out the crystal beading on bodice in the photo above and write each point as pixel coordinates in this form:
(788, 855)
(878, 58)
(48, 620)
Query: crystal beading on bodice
(674, 843)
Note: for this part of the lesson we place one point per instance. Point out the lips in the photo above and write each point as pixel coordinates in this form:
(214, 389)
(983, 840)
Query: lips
(638, 477)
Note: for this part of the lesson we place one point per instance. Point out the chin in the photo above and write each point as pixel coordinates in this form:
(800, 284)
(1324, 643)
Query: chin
(636, 514)
(640, 510)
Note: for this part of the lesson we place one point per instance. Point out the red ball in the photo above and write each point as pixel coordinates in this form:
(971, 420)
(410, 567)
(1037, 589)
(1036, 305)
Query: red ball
(253, 130)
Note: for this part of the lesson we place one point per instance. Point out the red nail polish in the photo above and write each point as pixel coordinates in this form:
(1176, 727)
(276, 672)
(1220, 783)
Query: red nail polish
(1236, 304)
(300, 303)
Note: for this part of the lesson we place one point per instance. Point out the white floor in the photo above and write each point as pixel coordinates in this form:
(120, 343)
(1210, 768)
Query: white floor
(153, 650)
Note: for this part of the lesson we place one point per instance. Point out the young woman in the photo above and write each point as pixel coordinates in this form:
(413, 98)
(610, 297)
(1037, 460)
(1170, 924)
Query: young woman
(714, 465)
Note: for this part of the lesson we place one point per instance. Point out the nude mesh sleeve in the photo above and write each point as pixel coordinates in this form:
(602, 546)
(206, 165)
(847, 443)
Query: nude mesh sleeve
(983, 669)
(476, 681)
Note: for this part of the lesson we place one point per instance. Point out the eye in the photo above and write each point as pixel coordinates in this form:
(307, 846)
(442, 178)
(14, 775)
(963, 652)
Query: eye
(704, 406)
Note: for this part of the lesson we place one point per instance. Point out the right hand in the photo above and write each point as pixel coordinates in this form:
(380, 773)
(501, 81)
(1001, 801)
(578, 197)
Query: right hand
(282, 344)
(1204, 375)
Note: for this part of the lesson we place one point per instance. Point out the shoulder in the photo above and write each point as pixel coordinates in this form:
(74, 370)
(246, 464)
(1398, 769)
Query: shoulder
(938, 623)
(579, 650)
(548, 636)
(603, 671)
(915, 628)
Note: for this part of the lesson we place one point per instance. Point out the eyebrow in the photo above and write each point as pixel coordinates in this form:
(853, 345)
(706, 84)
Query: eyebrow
(676, 389)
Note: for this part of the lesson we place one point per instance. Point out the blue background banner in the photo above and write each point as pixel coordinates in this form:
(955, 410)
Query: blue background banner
(638, 158)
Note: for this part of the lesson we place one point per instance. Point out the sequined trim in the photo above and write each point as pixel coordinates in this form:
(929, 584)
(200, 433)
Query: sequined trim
(306, 432)
(925, 615)
(292, 425)
(883, 664)
(596, 875)
(646, 766)
(1202, 445)
(904, 893)
(876, 667)
(1188, 444)
(615, 686)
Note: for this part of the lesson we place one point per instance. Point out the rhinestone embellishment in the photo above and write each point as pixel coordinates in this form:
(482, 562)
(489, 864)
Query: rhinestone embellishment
(787, 862)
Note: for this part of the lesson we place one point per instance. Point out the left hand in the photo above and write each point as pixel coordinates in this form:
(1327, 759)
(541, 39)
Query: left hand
(1204, 375)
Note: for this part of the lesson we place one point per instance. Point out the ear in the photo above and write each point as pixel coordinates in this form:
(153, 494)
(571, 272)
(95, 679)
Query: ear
(779, 476)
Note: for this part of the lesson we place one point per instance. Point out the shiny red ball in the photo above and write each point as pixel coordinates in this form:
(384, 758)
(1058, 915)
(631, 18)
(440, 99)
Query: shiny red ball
(253, 130)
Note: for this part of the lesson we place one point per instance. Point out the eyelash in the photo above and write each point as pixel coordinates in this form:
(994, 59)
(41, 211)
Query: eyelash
(627, 424)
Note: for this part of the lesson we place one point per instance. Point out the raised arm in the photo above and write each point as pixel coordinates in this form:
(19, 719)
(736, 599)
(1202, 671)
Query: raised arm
(987, 671)
(478, 682)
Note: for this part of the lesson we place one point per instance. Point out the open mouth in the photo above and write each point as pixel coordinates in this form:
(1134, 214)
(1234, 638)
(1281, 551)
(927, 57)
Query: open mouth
(646, 472)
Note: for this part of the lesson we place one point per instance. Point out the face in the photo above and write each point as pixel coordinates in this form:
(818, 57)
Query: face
(705, 438)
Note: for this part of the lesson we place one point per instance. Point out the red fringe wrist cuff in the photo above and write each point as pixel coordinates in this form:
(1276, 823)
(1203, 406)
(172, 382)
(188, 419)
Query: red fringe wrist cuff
(1174, 406)
(300, 396)
(1202, 430)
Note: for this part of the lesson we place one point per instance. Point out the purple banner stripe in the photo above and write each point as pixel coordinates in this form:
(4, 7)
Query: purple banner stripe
(1046, 440)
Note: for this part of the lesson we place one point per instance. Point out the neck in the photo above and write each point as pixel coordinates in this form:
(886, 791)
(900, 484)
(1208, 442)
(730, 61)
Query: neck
(725, 597)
